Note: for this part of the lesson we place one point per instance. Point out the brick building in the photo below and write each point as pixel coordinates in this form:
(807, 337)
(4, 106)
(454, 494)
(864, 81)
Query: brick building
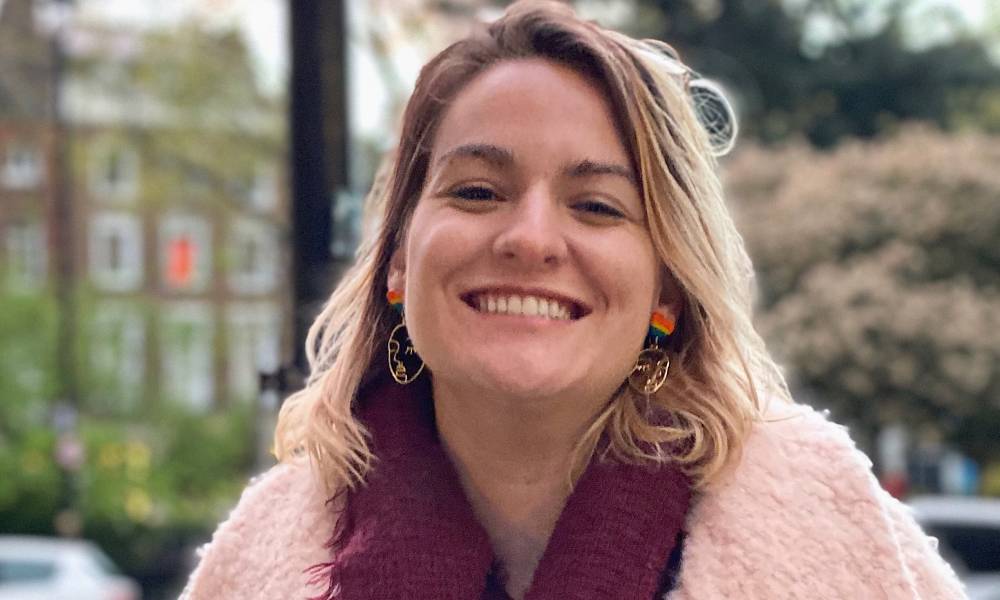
(174, 182)
(26, 139)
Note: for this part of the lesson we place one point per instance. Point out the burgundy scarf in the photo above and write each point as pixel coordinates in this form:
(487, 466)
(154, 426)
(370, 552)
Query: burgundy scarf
(411, 533)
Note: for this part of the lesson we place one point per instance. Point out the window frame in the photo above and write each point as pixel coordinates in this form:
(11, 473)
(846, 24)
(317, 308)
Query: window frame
(19, 177)
(200, 229)
(253, 344)
(188, 371)
(127, 360)
(264, 277)
(26, 254)
(129, 276)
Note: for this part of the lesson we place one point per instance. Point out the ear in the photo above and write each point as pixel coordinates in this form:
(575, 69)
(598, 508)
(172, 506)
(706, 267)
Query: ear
(671, 300)
(396, 279)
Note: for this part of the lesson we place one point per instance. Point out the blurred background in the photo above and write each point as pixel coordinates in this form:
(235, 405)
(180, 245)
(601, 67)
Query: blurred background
(181, 185)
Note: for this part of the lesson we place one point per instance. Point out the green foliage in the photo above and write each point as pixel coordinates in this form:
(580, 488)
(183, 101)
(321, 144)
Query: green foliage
(146, 491)
(31, 483)
(27, 358)
(861, 82)
(150, 483)
(877, 274)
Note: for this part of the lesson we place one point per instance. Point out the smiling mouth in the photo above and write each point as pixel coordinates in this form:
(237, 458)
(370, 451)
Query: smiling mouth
(524, 305)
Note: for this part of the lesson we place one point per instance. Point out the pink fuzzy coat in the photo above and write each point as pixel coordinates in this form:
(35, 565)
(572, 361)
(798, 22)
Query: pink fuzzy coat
(800, 516)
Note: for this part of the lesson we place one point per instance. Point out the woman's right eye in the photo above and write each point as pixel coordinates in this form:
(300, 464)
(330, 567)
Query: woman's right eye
(474, 192)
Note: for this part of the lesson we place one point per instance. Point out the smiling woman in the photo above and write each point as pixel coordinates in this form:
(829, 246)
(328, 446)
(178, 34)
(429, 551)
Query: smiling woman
(564, 396)
(522, 204)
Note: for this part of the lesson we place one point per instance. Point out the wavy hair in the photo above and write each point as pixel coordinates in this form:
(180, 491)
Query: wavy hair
(720, 368)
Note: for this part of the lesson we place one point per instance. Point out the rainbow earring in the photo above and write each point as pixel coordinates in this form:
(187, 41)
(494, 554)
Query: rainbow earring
(651, 367)
(405, 365)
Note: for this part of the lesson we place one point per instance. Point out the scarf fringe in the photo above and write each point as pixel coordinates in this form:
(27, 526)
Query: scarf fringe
(330, 572)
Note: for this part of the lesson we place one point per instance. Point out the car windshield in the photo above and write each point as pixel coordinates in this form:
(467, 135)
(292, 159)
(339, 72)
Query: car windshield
(978, 547)
(25, 571)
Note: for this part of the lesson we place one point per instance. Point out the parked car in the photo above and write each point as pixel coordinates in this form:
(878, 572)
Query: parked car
(39, 568)
(968, 531)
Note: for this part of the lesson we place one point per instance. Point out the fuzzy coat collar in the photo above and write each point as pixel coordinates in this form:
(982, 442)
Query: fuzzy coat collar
(798, 516)
(409, 532)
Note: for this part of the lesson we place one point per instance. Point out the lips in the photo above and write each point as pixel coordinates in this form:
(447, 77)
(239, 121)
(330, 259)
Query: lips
(526, 303)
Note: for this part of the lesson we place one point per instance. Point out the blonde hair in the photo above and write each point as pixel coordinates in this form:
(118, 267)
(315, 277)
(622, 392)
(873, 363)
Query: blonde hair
(720, 367)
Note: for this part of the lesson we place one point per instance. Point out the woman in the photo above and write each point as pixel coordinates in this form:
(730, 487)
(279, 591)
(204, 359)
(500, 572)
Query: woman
(541, 380)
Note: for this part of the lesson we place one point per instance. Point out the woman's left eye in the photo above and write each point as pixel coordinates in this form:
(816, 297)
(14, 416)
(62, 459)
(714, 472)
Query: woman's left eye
(474, 192)
(598, 208)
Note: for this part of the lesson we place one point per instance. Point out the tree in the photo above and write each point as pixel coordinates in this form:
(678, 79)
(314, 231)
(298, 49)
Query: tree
(859, 80)
(29, 488)
(877, 274)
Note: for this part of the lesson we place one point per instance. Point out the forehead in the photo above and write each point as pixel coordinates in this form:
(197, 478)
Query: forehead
(533, 104)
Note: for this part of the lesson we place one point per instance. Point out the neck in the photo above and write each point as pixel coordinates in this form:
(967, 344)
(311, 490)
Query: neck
(513, 457)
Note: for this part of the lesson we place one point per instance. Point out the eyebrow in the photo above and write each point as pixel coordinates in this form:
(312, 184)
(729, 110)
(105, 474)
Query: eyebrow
(587, 168)
(502, 157)
(496, 155)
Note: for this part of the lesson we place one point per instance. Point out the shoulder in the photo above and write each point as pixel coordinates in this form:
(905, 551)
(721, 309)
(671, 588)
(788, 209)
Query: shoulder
(802, 506)
(796, 448)
(277, 530)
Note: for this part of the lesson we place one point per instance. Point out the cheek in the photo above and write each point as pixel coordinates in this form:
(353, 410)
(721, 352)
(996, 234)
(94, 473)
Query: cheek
(438, 247)
(626, 268)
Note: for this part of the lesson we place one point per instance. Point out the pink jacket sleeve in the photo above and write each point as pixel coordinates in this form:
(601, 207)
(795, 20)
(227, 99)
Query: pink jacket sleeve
(278, 529)
(801, 516)
(929, 574)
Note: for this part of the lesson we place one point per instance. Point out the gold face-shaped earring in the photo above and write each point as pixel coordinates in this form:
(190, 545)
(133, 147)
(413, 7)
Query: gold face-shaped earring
(653, 364)
(650, 371)
(405, 365)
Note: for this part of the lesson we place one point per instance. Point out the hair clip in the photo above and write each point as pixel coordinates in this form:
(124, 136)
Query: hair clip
(707, 97)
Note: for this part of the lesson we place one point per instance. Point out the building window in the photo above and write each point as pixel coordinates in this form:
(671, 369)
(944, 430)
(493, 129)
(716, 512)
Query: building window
(187, 361)
(253, 345)
(114, 174)
(22, 167)
(254, 257)
(115, 251)
(27, 255)
(117, 356)
(185, 253)
(262, 189)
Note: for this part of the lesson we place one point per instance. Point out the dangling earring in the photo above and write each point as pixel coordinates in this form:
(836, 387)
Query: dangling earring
(650, 371)
(405, 364)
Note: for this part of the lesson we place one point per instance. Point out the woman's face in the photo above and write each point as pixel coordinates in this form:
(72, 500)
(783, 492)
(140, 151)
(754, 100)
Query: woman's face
(528, 269)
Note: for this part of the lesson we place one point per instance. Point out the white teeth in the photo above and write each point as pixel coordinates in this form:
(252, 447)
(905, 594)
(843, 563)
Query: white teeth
(528, 306)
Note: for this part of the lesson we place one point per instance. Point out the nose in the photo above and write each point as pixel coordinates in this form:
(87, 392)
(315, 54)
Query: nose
(532, 236)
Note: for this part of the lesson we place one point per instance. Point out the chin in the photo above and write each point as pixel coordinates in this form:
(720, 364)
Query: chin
(473, 369)
(529, 382)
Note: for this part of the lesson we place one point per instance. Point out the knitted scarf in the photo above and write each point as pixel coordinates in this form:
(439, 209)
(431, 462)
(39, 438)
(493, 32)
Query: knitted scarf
(410, 532)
